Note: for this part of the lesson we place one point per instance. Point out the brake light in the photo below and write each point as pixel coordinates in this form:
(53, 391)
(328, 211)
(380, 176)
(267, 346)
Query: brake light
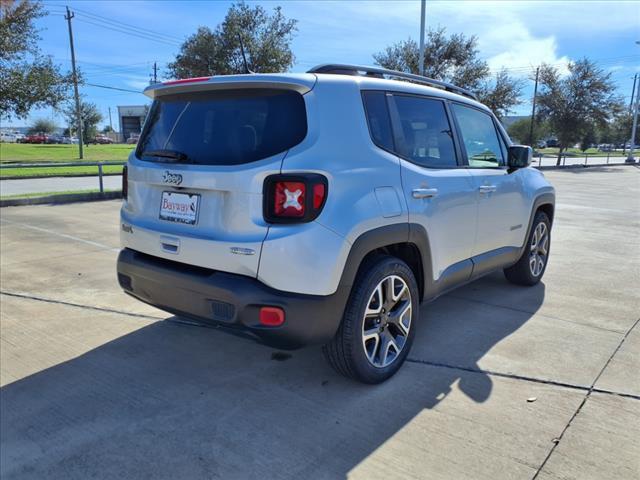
(186, 80)
(294, 198)
(125, 183)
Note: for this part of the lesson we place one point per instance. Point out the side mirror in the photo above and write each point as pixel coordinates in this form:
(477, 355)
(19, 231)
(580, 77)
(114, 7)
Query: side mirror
(520, 156)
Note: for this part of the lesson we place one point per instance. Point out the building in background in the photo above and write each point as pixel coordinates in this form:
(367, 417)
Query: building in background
(131, 118)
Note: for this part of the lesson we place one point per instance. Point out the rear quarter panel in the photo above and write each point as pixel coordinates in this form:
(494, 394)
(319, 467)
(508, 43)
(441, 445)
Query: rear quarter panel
(365, 192)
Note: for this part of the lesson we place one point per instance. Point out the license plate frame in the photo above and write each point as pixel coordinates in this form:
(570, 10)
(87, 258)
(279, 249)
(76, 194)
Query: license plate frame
(185, 218)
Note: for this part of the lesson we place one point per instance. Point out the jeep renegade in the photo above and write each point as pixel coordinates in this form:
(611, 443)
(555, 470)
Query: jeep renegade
(324, 207)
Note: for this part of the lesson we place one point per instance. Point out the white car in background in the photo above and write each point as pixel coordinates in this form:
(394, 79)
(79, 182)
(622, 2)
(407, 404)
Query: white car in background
(8, 137)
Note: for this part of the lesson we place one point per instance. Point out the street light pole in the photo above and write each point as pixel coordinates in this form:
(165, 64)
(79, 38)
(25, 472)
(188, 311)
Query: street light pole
(630, 158)
(423, 8)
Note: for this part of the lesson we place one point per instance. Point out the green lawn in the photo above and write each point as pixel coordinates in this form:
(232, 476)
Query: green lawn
(577, 152)
(57, 171)
(26, 153)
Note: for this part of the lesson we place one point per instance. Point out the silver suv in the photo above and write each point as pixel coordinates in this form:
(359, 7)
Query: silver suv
(324, 207)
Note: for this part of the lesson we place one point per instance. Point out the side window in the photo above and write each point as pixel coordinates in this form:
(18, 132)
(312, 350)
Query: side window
(479, 136)
(427, 133)
(378, 119)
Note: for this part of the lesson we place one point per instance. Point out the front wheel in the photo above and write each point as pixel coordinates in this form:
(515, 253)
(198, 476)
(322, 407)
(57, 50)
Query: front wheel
(379, 322)
(533, 262)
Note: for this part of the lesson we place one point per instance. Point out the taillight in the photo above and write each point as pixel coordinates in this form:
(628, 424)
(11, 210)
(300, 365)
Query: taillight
(125, 183)
(295, 198)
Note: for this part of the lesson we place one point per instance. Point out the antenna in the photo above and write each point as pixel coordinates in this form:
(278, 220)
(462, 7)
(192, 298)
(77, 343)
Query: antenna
(244, 58)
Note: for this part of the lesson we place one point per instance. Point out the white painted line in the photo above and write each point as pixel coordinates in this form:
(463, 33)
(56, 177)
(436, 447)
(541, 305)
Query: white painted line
(571, 206)
(63, 235)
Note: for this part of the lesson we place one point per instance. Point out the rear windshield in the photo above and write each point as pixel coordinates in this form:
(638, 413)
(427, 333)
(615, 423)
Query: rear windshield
(227, 127)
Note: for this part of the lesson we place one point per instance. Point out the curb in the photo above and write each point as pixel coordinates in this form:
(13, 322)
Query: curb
(60, 176)
(60, 199)
(568, 167)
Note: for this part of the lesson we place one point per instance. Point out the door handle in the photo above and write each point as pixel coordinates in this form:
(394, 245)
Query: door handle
(424, 192)
(487, 188)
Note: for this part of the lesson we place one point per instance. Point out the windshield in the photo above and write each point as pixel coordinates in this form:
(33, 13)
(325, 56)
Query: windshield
(227, 127)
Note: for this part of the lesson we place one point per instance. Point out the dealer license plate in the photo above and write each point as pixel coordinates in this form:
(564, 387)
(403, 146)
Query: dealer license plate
(180, 207)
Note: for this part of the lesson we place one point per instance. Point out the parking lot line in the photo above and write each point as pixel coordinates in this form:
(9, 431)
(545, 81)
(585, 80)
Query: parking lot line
(58, 234)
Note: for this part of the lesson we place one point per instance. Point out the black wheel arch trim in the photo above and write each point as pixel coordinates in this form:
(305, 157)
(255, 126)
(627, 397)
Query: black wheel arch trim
(386, 236)
(547, 198)
(416, 234)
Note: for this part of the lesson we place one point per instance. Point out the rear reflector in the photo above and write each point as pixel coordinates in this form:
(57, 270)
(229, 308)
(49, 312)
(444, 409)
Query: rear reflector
(271, 316)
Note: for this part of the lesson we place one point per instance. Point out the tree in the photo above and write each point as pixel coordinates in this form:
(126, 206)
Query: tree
(520, 131)
(42, 125)
(266, 38)
(107, 129)
(575, 103)
(91, 116)
(619, 129)
(28, 79)
(588, 138)
(453, 59)
(501, 95)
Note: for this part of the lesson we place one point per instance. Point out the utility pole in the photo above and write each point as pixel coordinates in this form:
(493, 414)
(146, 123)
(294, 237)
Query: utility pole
(155, 72)
(423, 7)
(68, 18)
(533, 109)
(630, 158)
(110, 124)
(633, 91)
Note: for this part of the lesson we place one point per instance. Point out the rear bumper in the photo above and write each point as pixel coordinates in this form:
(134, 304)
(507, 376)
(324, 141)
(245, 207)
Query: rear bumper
(230, 300)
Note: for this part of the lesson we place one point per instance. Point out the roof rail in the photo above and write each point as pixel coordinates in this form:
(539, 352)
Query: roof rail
(342, 69)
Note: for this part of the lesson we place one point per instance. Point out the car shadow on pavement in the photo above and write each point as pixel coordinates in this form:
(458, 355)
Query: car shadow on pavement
(178, 401)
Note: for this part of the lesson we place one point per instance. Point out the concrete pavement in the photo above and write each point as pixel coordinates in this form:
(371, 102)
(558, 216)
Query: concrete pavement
(96, 384)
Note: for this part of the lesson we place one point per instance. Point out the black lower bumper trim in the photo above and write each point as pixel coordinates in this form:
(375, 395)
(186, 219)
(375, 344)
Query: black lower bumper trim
(230, 300)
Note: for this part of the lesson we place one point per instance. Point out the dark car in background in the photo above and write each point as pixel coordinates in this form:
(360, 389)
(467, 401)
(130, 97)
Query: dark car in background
(35, 138)
(101, 139)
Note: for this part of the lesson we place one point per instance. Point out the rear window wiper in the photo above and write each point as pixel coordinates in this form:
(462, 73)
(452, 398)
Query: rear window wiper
(170, 155)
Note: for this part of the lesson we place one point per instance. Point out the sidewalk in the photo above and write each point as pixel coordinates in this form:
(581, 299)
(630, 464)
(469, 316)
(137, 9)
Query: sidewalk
(57, 184)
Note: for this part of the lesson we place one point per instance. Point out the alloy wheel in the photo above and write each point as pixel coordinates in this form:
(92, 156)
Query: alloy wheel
(387, 321)
(539, 249)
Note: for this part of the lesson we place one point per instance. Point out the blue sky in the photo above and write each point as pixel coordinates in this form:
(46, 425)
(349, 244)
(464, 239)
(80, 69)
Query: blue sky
(516, 35)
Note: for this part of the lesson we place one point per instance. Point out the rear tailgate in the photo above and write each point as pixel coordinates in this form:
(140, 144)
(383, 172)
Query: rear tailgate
(201, 204)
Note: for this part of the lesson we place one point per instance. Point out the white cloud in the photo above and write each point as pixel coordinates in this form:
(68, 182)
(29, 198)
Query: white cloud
(520, 51)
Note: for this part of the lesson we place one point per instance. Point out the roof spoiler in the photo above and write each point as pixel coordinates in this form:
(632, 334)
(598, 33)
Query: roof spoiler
(301, 83)
(344, 69)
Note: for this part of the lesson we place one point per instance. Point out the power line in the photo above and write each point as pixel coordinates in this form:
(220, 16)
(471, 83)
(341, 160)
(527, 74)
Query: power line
(112, 88)
(130, 32)
(121, 24)
(128, 25)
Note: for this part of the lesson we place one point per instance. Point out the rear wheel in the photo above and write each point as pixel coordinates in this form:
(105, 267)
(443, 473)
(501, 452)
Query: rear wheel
(378, 326)
(533, 262)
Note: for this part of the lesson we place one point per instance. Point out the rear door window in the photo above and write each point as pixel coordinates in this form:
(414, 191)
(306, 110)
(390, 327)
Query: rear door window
(227, 127)
(428, 139)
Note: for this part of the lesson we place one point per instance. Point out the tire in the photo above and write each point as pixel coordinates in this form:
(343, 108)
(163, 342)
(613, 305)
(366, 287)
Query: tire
(532, 264)
(376, 356)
